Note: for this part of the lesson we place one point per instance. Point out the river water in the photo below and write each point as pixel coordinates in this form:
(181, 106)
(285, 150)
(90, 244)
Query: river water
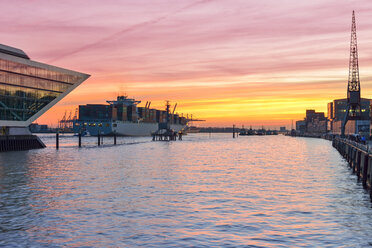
(204, 191)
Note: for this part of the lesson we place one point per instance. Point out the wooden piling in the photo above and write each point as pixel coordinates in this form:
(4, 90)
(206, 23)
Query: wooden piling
(79, 139)
(114, 138)
(359, 161)
(233, 131)
(365, 170)
(353, 158)
(99, 139)
(57, 140)
(369, 173)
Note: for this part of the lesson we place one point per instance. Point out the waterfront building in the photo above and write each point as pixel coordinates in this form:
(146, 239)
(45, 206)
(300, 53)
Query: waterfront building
(315, 123)
(336, 114)
(301, 126)
(28, 89)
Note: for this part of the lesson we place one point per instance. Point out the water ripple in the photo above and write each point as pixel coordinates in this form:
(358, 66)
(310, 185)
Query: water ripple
(206, 191)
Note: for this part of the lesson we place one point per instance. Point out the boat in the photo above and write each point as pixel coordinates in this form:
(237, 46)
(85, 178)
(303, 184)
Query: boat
(123, 117)
(192, 129)
(83, 133)
(245, 132)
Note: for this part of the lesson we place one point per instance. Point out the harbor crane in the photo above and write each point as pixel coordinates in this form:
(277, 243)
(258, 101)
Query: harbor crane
(353, 110)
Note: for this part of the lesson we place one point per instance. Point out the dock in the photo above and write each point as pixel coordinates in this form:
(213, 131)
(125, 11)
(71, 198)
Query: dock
(359, 159)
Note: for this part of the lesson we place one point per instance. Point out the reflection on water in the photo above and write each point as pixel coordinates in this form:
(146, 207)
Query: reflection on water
(203, 191)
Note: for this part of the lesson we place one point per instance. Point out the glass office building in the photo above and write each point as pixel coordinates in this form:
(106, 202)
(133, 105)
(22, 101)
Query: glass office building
(336, 114)
(29, 88)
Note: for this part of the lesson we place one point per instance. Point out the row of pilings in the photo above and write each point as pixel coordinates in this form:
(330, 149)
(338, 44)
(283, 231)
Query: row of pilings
(359, 159)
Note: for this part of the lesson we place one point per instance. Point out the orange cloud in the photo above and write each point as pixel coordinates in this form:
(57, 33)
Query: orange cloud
(229, 63)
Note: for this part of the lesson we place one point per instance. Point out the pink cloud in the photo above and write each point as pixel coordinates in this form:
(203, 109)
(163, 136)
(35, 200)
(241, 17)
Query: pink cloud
(164, 41)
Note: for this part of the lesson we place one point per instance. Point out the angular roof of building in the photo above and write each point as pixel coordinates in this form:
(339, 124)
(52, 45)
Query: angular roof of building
(13, 51)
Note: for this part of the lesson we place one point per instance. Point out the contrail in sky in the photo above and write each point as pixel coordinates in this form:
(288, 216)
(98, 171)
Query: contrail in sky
(128, 29)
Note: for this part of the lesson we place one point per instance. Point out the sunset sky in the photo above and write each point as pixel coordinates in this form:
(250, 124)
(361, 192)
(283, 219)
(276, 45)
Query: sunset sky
(228, 62)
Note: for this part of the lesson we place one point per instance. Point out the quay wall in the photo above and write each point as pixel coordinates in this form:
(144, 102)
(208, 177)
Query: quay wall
(359, 159)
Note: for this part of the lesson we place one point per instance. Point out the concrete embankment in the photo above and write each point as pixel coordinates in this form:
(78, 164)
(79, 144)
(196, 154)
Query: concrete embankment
(20, 142)
(359, 159)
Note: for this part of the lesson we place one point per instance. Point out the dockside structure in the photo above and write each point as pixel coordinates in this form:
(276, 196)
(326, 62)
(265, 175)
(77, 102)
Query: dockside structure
(27, 90)
(336, 114)
(317, 123)
(110, 119)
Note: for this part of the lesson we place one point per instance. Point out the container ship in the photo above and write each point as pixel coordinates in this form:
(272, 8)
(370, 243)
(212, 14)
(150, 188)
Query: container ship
(124, 117)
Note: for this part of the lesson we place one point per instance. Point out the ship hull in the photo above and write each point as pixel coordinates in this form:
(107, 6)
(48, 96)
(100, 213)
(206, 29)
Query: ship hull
(141, 128)
(124, 128)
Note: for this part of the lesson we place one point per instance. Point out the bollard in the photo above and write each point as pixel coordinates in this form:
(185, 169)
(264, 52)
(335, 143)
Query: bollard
(57, 140)
(79, 139)
(99, 139)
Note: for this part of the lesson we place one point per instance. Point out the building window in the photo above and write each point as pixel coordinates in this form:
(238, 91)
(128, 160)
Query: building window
(25, 90)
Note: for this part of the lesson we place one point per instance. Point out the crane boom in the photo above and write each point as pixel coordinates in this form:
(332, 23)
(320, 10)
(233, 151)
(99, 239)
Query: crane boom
(174, 109)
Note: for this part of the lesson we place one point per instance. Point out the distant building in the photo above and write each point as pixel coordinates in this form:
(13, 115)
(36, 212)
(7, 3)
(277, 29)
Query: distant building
(330, 111)
(36, 128)
(301, 126)
(317, 126)
(282, 129)
(314, 123)
(312, 115)
(337, 112)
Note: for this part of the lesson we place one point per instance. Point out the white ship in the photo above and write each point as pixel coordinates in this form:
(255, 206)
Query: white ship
(123, 117)
(140, 128)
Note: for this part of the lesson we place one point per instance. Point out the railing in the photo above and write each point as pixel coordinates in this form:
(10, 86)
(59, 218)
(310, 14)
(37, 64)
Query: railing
(363, 147)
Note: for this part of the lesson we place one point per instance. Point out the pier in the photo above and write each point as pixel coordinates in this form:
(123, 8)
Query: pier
(20, 143)
(359, 159)
(164, 132)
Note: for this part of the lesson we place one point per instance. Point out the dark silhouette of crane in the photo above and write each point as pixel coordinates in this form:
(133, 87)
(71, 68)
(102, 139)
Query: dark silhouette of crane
(353, 110)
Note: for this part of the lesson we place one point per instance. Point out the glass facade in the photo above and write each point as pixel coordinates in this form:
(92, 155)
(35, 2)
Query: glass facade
(25, 90)
(340, 107)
